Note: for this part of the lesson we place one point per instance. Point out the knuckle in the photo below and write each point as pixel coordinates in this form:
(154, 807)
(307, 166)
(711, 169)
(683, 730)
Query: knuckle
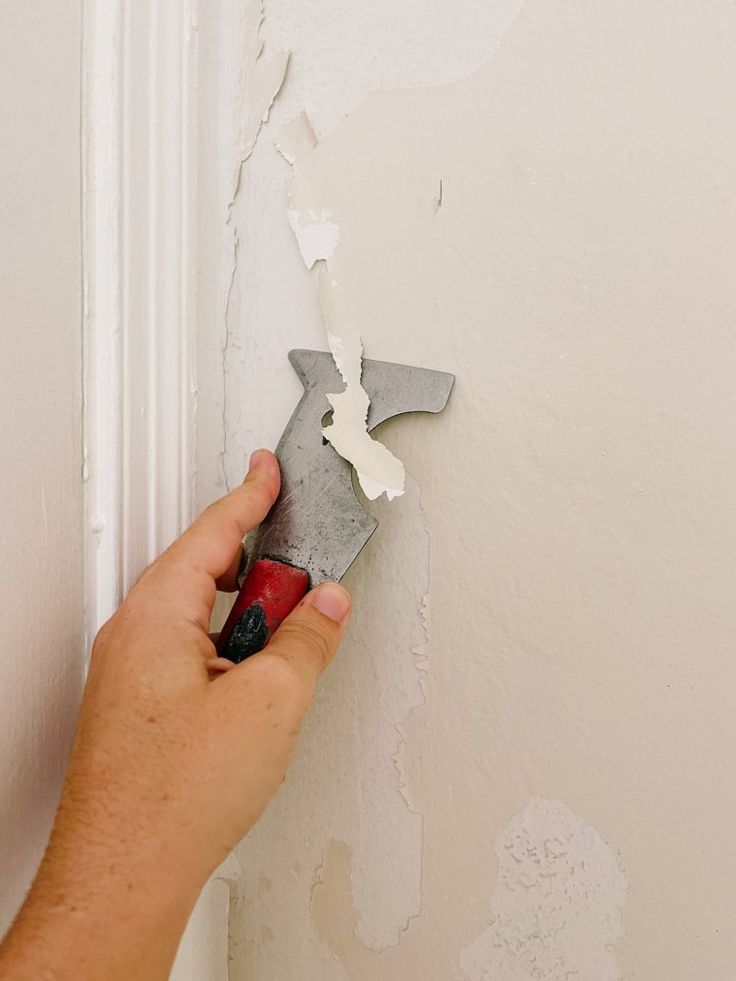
(280, 677)
(307, 640)
(253, 495)
(108, 627)
(280, 683)
(104, 634)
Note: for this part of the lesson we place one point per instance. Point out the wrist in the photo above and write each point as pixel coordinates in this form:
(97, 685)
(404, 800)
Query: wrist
(93, 914)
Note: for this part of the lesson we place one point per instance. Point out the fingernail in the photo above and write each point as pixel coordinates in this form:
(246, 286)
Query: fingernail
(332, 600)
(257, 458)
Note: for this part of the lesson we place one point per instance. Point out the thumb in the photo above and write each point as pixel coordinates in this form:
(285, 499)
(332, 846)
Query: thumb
(258, 706)
(299, 650)
(308, 638)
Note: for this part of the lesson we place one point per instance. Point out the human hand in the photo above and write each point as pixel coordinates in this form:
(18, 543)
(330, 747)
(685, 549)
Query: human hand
(173, 762)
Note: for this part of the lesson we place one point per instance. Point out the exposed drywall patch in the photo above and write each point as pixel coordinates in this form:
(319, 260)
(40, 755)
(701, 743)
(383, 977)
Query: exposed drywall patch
(335, 917)
(256, 87)
(317, 235)
(557, 905)
(337, 922)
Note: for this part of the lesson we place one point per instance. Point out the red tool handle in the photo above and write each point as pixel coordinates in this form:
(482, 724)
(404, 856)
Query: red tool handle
(268, 595)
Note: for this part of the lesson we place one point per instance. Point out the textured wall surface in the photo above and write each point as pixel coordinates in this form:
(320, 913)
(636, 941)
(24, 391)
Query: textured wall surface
(520, 764)
(42, 648)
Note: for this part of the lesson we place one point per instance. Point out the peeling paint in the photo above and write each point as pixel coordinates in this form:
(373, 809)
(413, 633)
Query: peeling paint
(347, 51)
(558, 903)
(258, 83)
(254, 82)
(334, 915)
(345, 784)
(296, 139)
(317, 235)
(580, 510)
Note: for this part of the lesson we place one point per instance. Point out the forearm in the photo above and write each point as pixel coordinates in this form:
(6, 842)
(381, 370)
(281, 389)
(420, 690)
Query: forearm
(96, 915)
(173, 762)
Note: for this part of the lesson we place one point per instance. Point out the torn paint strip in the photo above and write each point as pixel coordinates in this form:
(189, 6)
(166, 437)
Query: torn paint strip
(317, 234)
(379, 471)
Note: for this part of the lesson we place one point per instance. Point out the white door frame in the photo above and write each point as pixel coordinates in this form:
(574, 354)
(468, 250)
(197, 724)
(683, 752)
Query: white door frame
(139, 213)
(139, 269)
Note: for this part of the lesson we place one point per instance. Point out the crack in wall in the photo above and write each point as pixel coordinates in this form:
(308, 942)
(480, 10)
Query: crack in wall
(258, 84)
(255, 87)
(225, 352)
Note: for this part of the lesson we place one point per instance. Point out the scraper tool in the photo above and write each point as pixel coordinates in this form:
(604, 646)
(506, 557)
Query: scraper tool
(317, 527)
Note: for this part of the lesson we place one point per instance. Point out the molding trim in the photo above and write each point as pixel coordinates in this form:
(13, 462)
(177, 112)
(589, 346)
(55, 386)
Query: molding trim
(139, 228)
(139, 267)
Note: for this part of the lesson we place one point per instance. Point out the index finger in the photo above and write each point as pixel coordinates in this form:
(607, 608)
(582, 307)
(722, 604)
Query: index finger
(181, 583)
(211, 543)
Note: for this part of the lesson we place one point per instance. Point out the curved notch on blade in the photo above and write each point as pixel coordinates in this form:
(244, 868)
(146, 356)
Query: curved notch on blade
(317, 523)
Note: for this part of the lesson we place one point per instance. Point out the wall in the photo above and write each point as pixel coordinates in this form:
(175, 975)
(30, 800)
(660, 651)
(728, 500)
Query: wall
(520, 764)
(41, 619)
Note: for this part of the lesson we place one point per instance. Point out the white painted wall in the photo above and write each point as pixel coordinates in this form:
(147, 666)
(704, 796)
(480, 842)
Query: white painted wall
(521, 761)
(520, 765)
(41, 617)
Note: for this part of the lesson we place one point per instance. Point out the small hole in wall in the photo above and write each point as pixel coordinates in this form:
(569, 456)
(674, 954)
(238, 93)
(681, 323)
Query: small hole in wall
(326, 421)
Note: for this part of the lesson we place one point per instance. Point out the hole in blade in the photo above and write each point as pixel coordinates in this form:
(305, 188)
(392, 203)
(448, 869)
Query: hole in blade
(326, 421)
